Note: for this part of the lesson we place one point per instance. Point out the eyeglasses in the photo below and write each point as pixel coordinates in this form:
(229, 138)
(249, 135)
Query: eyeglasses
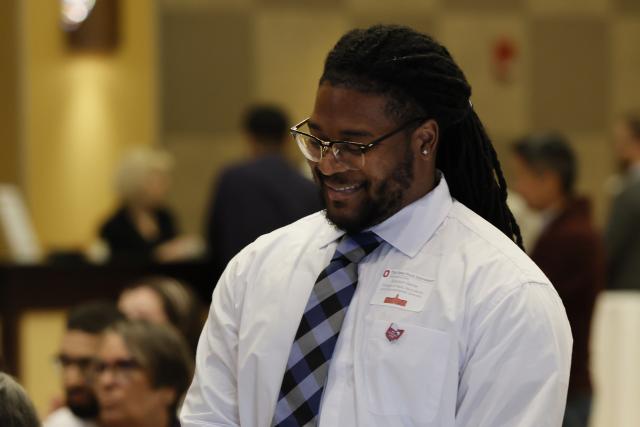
(349, 154)
(121, 369)
(83, 364)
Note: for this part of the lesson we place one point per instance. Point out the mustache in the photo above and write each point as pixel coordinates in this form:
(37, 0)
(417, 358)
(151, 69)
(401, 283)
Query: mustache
(79, 391)
(340, 178)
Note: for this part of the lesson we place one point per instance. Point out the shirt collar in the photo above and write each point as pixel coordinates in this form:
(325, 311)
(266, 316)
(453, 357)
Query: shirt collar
(634, 172)
(410, 228)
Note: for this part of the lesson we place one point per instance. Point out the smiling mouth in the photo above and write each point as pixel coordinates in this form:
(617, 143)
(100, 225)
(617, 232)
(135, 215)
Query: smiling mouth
(341, 191)
(345, 188)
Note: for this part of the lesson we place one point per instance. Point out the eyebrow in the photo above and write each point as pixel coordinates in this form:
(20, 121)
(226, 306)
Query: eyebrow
(347, 133)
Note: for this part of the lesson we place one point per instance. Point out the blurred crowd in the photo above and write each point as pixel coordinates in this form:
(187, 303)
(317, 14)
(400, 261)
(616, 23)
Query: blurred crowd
(579, 260)
(128, 363)
(144, 228)
(122, 364)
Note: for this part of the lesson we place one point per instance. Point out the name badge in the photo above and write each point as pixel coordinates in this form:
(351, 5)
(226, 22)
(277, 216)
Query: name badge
(403, 290)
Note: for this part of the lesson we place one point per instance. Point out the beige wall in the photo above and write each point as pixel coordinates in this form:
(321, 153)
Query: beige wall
(40, 336)
(81, 111)
(576, 67)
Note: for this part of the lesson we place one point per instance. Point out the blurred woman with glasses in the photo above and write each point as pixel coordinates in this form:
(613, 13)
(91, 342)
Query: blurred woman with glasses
(140, 375)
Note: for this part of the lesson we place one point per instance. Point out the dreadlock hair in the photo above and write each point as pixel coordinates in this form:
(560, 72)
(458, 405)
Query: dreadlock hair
(421, 80)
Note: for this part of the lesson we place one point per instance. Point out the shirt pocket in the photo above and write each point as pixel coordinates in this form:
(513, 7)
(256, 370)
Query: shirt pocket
(405, 376)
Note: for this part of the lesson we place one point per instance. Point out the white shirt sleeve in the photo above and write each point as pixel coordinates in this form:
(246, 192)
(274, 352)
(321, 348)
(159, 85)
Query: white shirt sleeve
(212, 399)
(517, 363)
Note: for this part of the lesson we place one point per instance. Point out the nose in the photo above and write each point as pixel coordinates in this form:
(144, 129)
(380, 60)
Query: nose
(329, 165)
(105, 379)
(73, 376)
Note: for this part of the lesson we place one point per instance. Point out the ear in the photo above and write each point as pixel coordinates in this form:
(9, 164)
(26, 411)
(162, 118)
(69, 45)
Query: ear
(167, 395)
(553, 180)
(425, 139)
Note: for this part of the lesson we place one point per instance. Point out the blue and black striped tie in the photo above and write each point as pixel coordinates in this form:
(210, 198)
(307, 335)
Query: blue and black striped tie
(308, 364)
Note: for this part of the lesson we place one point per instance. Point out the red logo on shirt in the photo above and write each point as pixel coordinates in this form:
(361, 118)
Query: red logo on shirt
(395, 300)
(386, 273)
(393, 334)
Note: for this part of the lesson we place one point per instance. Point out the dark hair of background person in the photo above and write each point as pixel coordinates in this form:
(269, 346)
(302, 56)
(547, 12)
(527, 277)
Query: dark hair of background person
(161, 351)
(267, 124)
(183, 308)
(16, 409)
(549, 152)
(93, 317)
(421, 80)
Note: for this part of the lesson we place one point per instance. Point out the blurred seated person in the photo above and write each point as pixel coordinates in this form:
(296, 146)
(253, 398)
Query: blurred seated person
(85, 324)
(143, 228)
(164, 300)
(568, 250)
(623, 226)
(16, 409)
(140, 375)
(258, 195)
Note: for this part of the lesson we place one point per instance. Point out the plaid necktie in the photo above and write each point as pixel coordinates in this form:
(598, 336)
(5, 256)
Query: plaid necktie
(308, 364)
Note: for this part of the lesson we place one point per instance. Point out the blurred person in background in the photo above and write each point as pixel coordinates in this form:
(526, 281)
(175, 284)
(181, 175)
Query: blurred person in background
(623, 229)
(140, 375)
(568, 250)
(259, 195)
(164, 300)
(16, 409)
(79, 345)
(143, 228)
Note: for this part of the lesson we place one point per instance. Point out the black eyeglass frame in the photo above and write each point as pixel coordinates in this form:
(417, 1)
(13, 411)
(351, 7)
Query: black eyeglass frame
(326, 145)
(122, 368)
(63, 361)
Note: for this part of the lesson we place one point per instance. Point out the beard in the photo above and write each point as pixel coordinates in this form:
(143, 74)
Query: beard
(88, 409)
(381, 202)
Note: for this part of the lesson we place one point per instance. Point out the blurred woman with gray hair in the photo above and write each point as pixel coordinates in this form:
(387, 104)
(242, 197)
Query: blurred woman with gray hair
(142, 226)
(16, 409)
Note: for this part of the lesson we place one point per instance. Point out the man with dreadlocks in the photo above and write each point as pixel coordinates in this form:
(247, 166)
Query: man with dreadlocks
(408, 302)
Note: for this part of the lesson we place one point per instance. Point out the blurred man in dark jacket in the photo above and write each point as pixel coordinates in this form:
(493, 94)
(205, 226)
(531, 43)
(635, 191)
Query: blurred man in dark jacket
(569, 250)
(259, 195)
(623, 229)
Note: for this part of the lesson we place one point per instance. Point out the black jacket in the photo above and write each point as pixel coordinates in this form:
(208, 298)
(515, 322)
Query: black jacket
(252, 199)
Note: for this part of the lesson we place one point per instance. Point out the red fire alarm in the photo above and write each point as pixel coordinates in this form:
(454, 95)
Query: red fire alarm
(504, 55)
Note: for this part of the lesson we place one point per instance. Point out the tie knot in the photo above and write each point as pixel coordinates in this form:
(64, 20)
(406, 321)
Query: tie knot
(356, 246)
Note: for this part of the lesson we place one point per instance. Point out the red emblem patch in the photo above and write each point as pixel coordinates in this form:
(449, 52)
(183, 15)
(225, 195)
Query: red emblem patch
(396, 300)
(386, 273)
(393, 333)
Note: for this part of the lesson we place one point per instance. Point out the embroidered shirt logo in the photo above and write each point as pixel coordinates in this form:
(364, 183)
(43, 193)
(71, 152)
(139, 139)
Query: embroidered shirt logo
(393, 333)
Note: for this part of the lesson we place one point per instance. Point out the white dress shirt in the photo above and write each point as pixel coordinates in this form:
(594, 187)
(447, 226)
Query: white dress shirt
(63, 417)
(486, 341)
